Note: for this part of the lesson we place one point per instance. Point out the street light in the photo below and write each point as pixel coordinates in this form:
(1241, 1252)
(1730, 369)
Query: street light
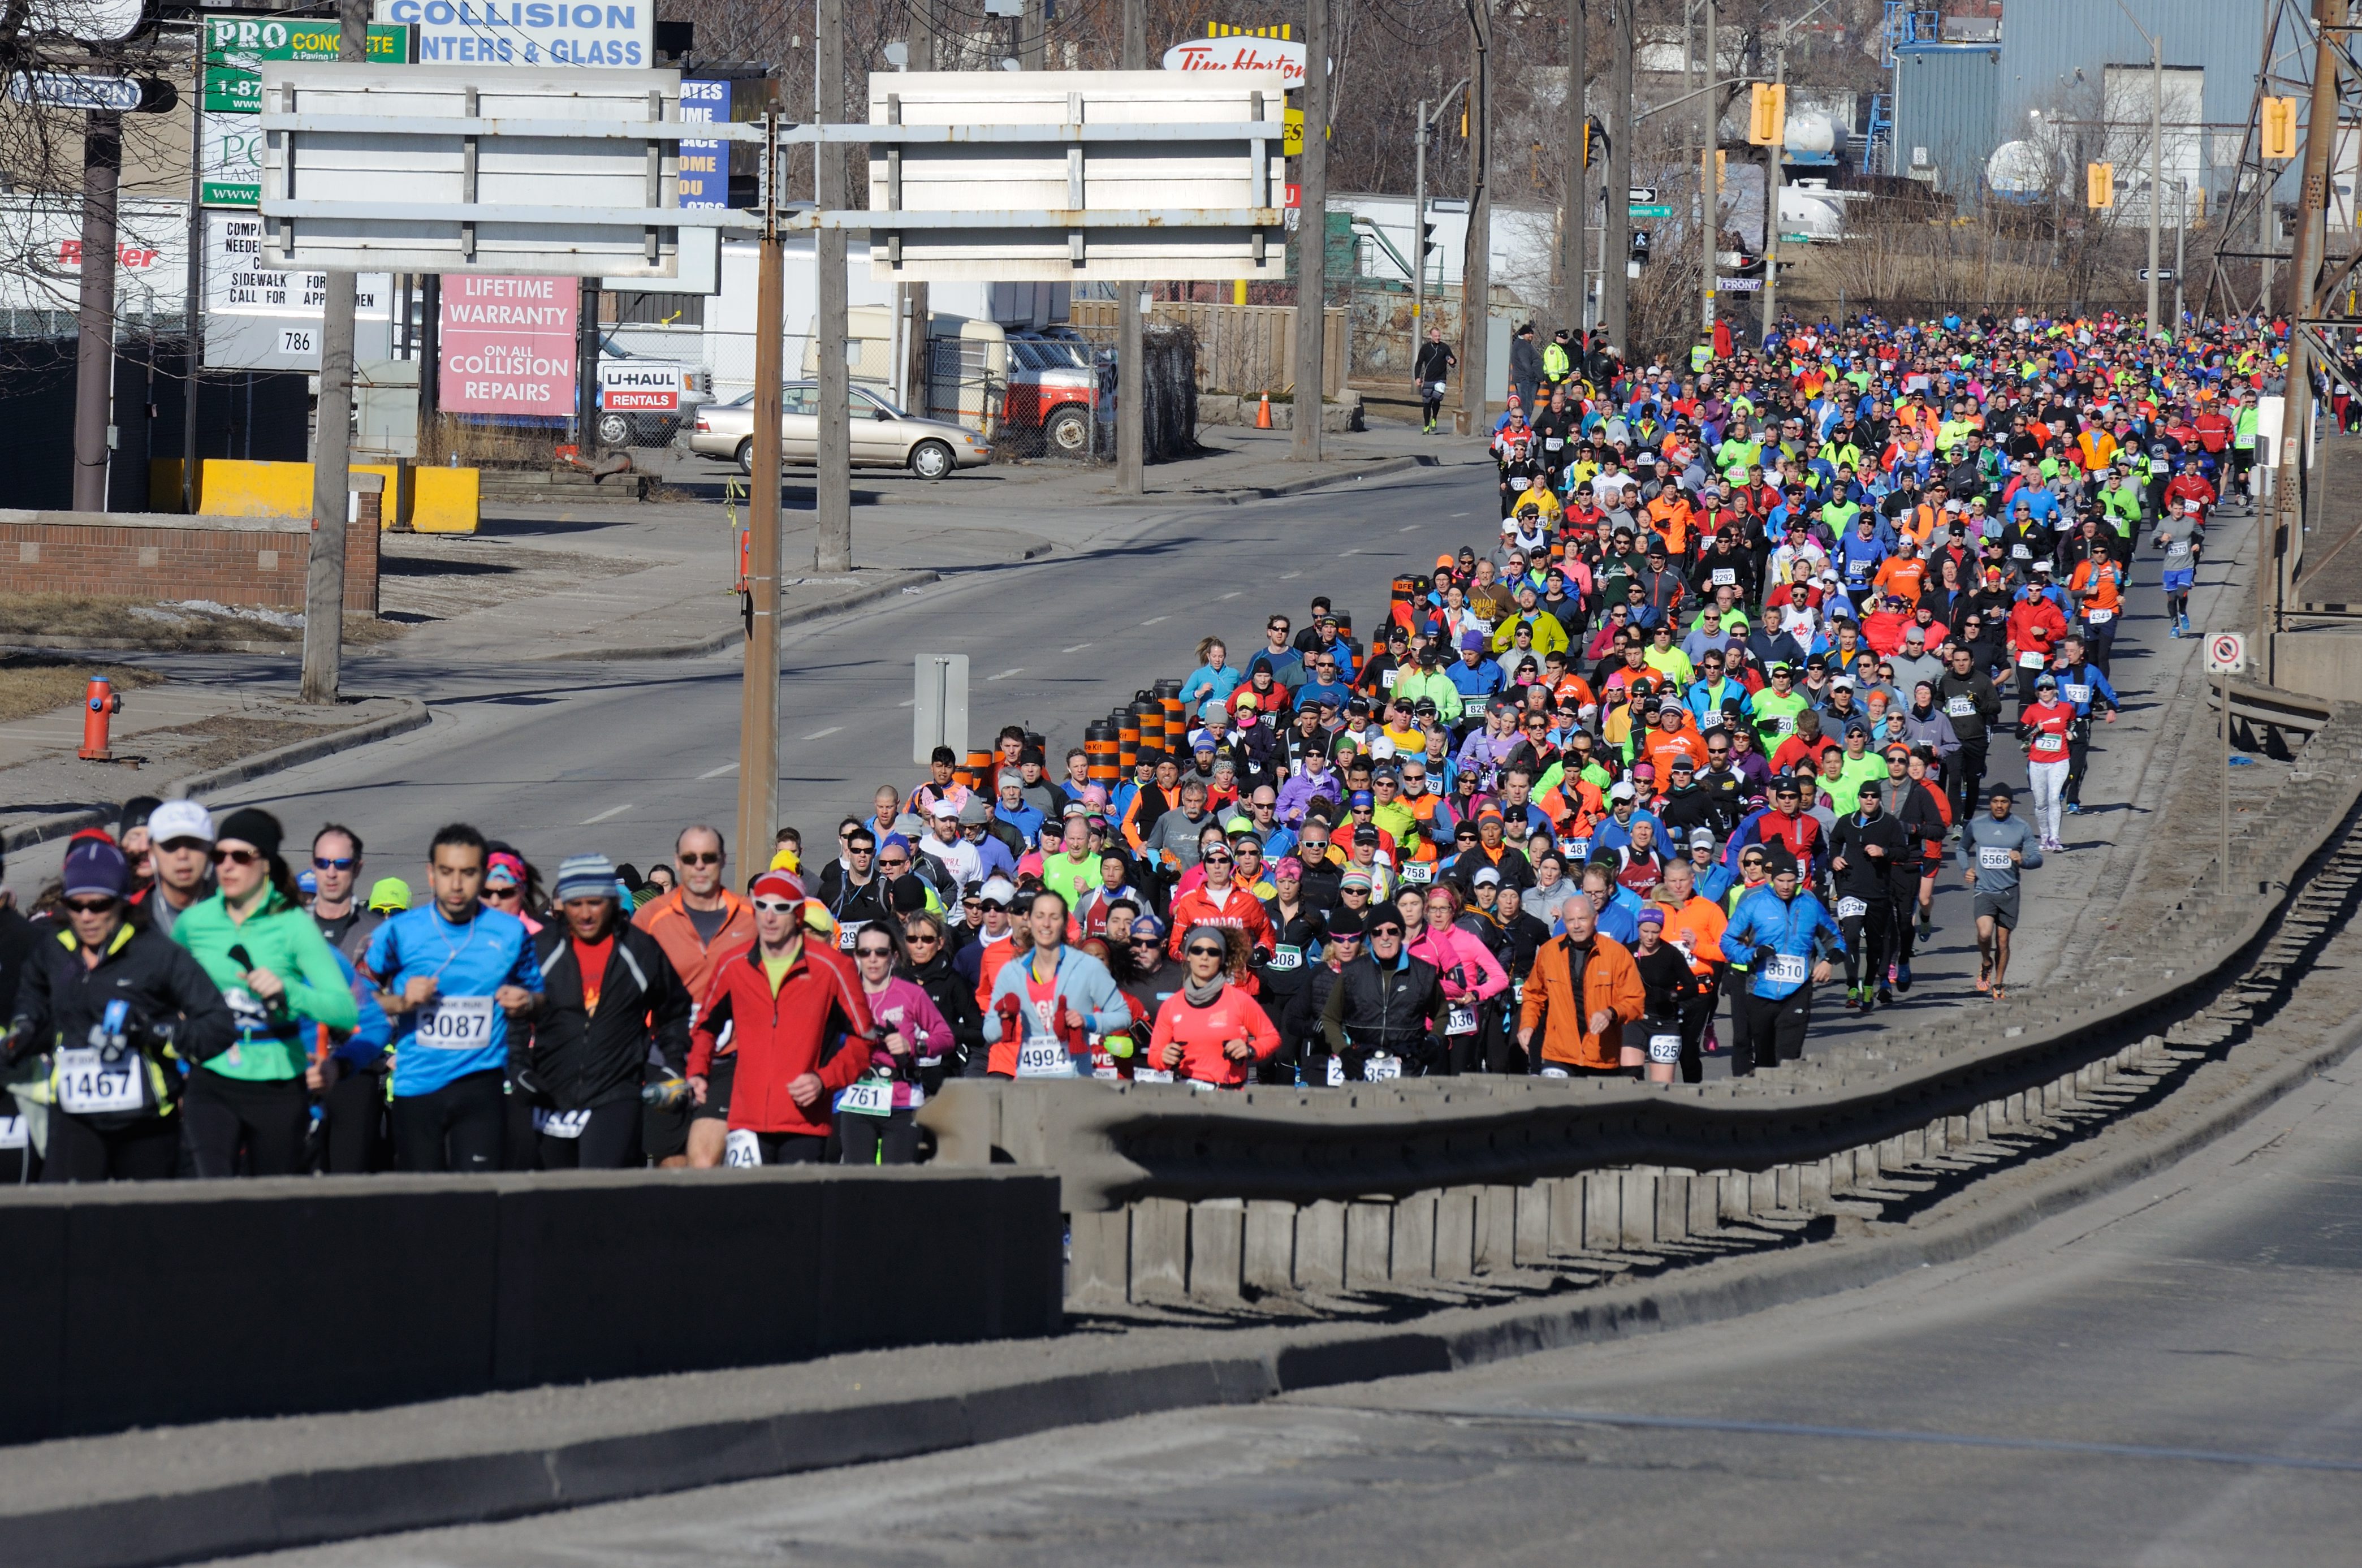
(2156, 148)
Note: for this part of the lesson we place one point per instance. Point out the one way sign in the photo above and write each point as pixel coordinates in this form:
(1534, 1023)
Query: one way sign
(2164, 274)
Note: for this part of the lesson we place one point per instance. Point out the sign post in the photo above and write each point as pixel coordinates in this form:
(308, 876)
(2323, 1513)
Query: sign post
(939, 714)
(2226, 655)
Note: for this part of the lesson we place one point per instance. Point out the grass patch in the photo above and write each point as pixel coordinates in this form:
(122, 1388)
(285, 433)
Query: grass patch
(33, 684)
(151, 624)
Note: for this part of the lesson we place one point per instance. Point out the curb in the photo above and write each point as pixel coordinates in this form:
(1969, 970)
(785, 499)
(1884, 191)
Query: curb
(1240, 495)
(860, 598)
(410, 714)
(128, 644)
(304, 1507)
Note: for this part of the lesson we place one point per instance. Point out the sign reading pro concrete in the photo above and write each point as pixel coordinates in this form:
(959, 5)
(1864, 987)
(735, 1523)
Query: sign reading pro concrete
(508, 344)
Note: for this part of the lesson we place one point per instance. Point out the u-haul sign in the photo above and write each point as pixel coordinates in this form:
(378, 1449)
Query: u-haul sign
(639, 387)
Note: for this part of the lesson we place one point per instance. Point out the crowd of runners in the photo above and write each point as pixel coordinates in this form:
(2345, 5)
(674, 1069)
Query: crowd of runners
(1621, 790)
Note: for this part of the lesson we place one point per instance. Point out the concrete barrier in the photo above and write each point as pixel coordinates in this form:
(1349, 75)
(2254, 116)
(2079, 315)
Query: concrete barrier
(191, 1301)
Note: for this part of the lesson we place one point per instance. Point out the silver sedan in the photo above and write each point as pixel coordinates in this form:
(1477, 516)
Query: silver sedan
(883, 435)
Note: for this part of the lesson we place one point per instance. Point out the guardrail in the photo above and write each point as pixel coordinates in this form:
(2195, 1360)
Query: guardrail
(1171, 1191)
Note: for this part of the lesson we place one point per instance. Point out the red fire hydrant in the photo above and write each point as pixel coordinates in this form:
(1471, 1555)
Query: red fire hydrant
(99, 706)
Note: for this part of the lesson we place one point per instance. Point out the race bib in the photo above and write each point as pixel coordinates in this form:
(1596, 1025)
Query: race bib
(1723, 577)
(2079, 694)
(456, 1023)
(1336, 1072)
(1556, 1072)
(1285, 957)
(1992, 859)
(868, 1096)
(2018, 552)
(1460, 1020)
(2030, 660)
(1786, 969)
(742, 1150)
(13, 1134)
(1044, 1059)
(568, 1124)
(2046, 745)
(1849, 909)
(253, 1017)
(1553, 443)
(1419, 873)
(1961, 707)
(87, 1086)
(1664, 1047)
(1150, 1076)
(1381, 1069)
(1386, 677)
(2098, 617)
(1712, 720)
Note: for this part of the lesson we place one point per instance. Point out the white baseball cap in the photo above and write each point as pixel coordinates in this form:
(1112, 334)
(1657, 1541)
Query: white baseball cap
(179, 819)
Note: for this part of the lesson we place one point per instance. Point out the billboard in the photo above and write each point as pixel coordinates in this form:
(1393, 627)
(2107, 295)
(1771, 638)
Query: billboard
(508, 344)
(527, 32)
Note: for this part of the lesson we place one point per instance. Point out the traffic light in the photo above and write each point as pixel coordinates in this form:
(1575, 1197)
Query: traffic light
(1594, 141)
(1426, 244)
(2278, 128)
(2099, 184)
(1639, 245)
(1767, 115)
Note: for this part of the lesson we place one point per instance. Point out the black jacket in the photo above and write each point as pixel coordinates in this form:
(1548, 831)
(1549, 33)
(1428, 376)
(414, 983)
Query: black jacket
(174, 1006)
(1280, 985)
(1399, 1009)
(1866, 876)
(954, 995)
(582, 1059)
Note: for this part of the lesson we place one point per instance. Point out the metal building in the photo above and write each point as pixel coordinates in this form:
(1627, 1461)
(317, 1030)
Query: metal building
(2053, 55)
(1946, 101)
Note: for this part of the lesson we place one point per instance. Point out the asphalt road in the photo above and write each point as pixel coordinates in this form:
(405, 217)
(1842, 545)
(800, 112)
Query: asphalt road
(2171, 1376)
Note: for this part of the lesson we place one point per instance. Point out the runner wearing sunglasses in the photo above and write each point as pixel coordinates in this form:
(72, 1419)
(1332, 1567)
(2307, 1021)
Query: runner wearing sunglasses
(696, 924)
(1211, 1032)
(875, 1122)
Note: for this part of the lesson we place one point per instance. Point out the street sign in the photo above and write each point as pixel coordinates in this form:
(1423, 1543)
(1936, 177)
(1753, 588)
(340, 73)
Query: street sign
(458, 169)
(2164, 274)
(2226, 653)
(1650, 210)
(939, 714)
(1073, 176)
(77, 90)
(1643, 193)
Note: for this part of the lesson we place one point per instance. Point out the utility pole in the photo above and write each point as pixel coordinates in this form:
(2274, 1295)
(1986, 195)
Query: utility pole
(1572, 265)
(918, 363)
(1130, 345)
(1774, 159)
(1476, 254)
(2305, 247)
(1709, 188)
(833, 478)
(2181, 247)
(190, 464)
(324, 580)
(1418, 229)
(2156, 165)
(102, 178)
(758, 689)
(1615, 246)
(1312, 241)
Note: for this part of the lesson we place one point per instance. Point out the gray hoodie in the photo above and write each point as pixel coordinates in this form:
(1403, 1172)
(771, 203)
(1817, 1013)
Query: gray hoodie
(1985, 845)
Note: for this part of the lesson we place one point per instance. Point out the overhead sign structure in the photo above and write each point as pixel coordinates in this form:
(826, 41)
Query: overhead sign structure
(508, 344)
(1020, 176)
(264, 318)
(456, 169)
(528, 32)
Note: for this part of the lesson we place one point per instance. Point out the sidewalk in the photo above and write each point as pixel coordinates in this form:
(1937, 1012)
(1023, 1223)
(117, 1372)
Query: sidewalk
(1237, 463)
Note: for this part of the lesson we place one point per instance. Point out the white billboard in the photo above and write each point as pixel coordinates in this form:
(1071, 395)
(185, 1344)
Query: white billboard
(1081, 199)
(528, 32)
(260, 317)
(40, 255)
(472, 168)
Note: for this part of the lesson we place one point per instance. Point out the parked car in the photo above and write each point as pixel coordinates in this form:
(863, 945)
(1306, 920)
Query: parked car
(1051, 384)
(883, 435)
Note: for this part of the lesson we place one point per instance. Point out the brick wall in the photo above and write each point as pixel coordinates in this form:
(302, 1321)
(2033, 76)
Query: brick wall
(256, 562)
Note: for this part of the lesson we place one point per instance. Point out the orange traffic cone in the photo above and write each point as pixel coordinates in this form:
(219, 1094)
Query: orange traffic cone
(1263, 412)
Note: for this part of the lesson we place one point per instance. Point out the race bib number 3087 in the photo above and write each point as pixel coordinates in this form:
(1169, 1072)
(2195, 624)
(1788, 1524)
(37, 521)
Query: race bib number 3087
(456, 1023)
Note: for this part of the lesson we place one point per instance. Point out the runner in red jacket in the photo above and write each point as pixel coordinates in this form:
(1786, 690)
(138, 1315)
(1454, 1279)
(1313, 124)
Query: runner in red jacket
(786, 1000)
(1210, 1030)
(1217, 902)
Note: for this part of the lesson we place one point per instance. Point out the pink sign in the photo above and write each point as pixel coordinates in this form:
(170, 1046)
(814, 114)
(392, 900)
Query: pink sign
(508, 344)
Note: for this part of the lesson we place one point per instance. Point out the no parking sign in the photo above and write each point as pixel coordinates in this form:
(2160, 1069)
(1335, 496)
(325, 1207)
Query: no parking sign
(2226, 653)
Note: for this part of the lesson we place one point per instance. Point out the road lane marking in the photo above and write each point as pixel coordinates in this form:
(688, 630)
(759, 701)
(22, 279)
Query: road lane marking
(1077, 648)
(1355, 551)
(1006, 673)
(611, 812)
(823, 734)
(1154, 619)
(718, 772)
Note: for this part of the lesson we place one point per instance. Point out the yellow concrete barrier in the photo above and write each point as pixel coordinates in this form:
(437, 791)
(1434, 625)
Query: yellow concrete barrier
(442, 500)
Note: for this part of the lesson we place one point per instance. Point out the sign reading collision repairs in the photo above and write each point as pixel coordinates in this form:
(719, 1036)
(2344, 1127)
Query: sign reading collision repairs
(508, 344)
(528, 32)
